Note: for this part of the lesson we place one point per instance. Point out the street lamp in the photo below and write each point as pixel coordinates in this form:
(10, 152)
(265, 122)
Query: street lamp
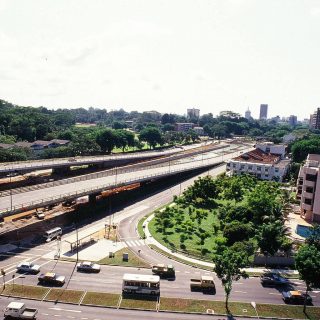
(254, 306)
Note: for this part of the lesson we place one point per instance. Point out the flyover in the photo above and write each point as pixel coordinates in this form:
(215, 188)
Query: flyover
(93, 186)
(103, 160)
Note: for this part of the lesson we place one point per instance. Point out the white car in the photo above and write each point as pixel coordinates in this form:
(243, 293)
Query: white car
(28, 267)
(87, 266)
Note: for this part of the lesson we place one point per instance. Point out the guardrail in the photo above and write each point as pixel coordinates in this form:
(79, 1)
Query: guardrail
(98, 189)
(106, 173)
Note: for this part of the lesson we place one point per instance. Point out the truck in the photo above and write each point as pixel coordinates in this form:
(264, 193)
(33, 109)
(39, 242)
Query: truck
(164, 271)
(204, 284)
(18, 310)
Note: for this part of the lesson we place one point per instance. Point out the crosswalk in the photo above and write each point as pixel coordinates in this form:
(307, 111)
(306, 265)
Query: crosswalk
(135, 243)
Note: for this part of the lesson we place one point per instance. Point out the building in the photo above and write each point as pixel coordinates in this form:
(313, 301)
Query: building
(193, 113)
(37, 145)
(263, 112)
(183, 126)
(199, 131)
(247, 114)
(315, 120)
(229, 114)
(270, 147)
(308, 188)
(293, 121)
(290, 137)
(264, 165)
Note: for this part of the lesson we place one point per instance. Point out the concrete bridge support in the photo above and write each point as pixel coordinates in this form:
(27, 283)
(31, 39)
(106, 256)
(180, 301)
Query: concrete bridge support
(93, 198)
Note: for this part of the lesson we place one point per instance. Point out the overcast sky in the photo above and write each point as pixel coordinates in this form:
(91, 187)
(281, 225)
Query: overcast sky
(164, 55)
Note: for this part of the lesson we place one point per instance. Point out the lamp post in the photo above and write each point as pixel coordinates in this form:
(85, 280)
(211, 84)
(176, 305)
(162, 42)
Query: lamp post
(254, 306)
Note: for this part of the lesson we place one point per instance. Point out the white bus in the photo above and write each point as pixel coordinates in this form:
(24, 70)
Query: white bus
(53, 233)
(141, 283)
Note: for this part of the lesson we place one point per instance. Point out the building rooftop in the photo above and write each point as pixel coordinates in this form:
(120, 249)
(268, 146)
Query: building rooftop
(258, 156)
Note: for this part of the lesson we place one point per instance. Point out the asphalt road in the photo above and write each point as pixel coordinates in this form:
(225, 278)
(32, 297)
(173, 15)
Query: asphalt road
(50, 310)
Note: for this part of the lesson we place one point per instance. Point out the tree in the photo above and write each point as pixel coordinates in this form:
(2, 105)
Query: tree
(308, 264)
(106, 139)
(237, 231)
(314, 237)
(228, 265)
(151, 135)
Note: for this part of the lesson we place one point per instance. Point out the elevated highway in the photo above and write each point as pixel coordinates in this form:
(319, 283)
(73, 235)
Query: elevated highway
(93, 185)
(104, 160)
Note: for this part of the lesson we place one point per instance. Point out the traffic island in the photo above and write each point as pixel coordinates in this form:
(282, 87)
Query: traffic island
(205, 306)
(139, 302)
(101, 299)
(63, 295)
(18, 290)
(117, 259)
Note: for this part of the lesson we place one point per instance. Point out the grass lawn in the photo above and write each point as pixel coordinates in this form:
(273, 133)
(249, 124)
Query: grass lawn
(139, 302)
(101, 299)
(134, 260)
(190, 305)
(181, 219)
(286, 311)
(25, 291)
(64, 295)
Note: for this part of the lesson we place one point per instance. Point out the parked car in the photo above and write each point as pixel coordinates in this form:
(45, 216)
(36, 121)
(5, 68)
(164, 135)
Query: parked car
(295, 297)
(87, 266)
(40, 215)
(28, 267)
(51, 278)
(273, 279)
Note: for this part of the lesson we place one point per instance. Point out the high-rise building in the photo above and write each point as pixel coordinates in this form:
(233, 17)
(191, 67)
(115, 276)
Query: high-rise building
(308, 188)
(193, 113)
(263, 112)
(293, 120)
(247, 114)
(315, 120)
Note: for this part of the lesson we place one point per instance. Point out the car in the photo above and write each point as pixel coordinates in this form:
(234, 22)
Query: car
(295, 297)
(273, 279)
(40, 215)
(51, 278)
(28, 267)
(87, 266)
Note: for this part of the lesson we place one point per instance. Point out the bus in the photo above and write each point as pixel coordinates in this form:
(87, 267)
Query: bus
(53, 233)
(141, 283)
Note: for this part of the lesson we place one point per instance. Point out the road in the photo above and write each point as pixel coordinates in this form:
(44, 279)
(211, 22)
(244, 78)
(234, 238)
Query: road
(41, 197)
(50, 310)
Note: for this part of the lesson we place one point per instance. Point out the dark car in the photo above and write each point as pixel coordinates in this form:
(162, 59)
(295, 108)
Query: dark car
(87, 266)
(273, 279)
(51, 278)
(295, 297)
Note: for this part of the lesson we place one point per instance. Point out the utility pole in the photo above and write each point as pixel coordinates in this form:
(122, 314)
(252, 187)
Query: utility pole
(77, 243)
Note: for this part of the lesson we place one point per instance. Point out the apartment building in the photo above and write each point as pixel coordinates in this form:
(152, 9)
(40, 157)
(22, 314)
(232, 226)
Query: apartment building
(264, 165)
(308, 188)
(184, 126)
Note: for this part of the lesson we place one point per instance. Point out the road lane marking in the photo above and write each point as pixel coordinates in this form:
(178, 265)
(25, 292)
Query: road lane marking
(68, 310)
(240, 291)
(275, 293)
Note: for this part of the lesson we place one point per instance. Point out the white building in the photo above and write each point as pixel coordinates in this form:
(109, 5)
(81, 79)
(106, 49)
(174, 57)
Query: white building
(270, 147)
(308, 188)
(199, 131)
(289, 138)
(264, 165)
(193, 113)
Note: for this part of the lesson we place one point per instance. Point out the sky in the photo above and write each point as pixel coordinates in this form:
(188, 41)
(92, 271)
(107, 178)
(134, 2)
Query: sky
(164, 55)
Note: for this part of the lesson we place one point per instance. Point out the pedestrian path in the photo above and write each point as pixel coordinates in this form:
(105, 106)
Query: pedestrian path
(135, 243)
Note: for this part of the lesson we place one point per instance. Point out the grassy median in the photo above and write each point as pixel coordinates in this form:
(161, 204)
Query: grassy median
(133, 261)
(18, 290)
(63, 295)
(139, 302)
(101, 299)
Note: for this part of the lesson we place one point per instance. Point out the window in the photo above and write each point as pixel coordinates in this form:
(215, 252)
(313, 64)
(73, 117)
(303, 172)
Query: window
(259, 168)
(309, 189)
(276, 169)
(311, 177)
(308, 201)
(242, 167)
(250, 167)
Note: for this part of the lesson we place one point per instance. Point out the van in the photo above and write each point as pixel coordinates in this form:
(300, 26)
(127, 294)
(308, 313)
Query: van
(53, 233)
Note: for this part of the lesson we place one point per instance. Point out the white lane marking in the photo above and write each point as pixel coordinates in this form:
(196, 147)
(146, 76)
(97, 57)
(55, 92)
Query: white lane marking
(68, 310)
(45, 314)
(275, 293)
(70, 317)
(177, 271)
(238, 283)
(57, 315)
(240, 291)
(187, 272)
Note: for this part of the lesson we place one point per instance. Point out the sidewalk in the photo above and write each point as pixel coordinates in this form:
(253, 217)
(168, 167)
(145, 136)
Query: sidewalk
(151, 240)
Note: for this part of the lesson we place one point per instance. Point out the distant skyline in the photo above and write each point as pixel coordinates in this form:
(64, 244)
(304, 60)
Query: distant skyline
(167, 55)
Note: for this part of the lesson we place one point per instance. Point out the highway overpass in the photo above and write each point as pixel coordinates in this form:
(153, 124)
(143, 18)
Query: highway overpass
(93, 186)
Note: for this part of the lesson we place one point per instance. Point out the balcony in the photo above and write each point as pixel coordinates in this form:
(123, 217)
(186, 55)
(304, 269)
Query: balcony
(306, 207)
(309, 183)
(307, 195)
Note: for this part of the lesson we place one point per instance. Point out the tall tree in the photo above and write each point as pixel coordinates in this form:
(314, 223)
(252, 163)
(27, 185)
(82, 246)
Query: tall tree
(228, 265)
(308, 264)
(151, 135)
(106, 139)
